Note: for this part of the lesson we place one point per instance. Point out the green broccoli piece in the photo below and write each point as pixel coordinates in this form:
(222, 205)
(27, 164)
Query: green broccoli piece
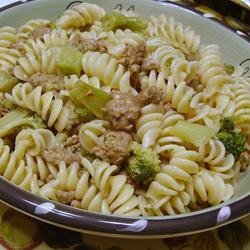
(227, 124)
(233, 142)
(229, 69)
(144, 165)
(18, 118)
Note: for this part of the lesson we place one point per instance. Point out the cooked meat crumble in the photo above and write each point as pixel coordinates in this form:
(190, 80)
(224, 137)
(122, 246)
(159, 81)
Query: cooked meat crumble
(58, 153)
(122, 111)
(132, 59)
(150, 95)
(87, 44)
(48, 82)
(113, 147)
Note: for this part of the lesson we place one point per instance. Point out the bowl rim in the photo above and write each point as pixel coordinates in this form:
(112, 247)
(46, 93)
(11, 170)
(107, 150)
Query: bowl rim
(110, 225)
(86, 221)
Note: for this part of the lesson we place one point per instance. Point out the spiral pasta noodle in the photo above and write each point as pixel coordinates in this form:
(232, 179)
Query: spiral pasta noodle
(208, 187)
(182, 38)
(107, 70)
(116, 41)
(117, 194)
(241, 90)
(51, 109)
(13, 168)
(90, 132)
(149, 124)
(7, 36)
(34, 141)
(26, 29)
(30, 64)
(80, 16)
(211, 70)
(8, 58)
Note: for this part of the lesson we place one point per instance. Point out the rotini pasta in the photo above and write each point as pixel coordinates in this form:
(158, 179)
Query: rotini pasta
(181, 38)
(208, 187)
(90, 132)
(107, 70)
(80, 16)
(30, 64)
(212, 70)
(149, 125)
(50, 109)
(7, 36)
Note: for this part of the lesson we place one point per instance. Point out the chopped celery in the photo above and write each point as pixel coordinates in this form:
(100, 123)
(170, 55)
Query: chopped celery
(113, 21)
(155, 42)
(136, 23)
(68, 60)
(7, 81)
(192, 132)
(93, 99)
(18, 118)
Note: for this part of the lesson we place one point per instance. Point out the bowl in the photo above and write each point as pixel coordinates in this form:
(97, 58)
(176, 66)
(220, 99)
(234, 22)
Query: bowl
(235, 50)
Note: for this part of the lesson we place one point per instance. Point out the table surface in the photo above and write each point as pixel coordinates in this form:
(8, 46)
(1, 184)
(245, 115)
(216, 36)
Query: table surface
(17, 231)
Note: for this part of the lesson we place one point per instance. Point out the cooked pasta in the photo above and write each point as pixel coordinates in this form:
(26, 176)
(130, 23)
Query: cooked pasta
(114, 114)
(31, 64)
(182, 38)
(149, 125)
(51, 109)
(107, 70)
(7, 36)
(80, 16)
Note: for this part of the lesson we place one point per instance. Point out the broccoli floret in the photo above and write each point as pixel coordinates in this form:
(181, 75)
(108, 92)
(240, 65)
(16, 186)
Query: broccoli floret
(144, 165)
(229, 69)
(233, 142)
(18, 118)
(227, 124)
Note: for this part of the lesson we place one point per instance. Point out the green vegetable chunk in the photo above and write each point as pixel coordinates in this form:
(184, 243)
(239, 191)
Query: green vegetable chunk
(68, 60)
(227, 124)
(7, 81)
(89, 97)
(229, 69)
(144, 165)
(233, 142)
(113, 21)
(191, 132)
(18, 118)
(136, 23)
